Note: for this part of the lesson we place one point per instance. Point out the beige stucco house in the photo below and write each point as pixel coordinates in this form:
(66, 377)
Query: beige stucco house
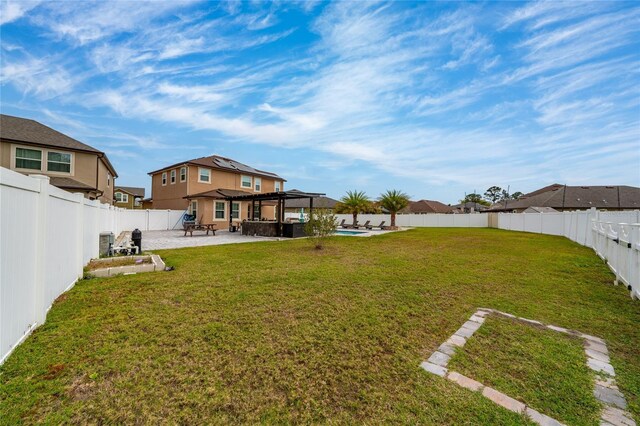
(201, 186)
(29, 147)
(128, 197)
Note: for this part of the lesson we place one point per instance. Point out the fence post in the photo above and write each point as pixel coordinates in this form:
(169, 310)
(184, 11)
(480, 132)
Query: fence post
(41, 241)
(80, 233)
(148, 214)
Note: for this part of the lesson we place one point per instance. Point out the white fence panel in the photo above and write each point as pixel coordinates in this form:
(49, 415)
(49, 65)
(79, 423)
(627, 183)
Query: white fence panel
(19, 204)
(47, 236)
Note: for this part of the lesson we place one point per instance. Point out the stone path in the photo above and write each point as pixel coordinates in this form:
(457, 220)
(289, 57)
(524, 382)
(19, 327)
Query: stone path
(605, 389)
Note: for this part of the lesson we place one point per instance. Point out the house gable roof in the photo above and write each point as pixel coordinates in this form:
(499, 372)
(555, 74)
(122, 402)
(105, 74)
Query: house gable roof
(136, 192)
(426, 206)
(318, 202)
(222, 163)
(27, 131)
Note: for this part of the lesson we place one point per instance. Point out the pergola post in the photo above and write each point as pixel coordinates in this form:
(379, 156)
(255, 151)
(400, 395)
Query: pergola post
(253, 209)
(310, 207)
(260, 209)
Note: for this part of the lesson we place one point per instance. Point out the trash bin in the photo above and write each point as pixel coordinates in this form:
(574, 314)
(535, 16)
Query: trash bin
(136, 238)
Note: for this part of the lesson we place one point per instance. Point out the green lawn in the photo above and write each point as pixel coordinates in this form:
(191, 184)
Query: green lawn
(276, 332)
(545, 369)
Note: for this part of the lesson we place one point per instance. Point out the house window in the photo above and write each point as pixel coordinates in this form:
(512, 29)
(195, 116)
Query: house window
(277, 186)
(108, 179)
(28, 159)
(122, 198)
(245, 182)
(204, 175)
(118, 196)
(256, 212)
(258, 184)
(164, 178)
(183, 174)
(194, 209)
(235, 210)
(219, 213)
(173, 176)
(58, 162)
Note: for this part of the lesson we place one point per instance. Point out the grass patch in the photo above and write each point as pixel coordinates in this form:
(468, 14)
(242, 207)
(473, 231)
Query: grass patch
(277, 332)
(544, 369)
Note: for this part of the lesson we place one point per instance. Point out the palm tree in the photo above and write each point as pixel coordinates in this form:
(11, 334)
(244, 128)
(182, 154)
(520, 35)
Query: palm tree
(394, 201)
(353, 203)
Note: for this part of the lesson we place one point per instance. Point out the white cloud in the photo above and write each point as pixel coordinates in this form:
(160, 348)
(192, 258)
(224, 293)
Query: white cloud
(13, 10)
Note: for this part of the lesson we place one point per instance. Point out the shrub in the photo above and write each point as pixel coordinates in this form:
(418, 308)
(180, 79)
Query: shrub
(320, 226)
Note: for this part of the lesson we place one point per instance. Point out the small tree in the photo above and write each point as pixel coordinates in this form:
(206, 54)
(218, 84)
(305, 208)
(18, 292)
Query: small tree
(394, 201)
(493, 194)
(353, 203)
(321, 224)
(516, 195)
(474, 198)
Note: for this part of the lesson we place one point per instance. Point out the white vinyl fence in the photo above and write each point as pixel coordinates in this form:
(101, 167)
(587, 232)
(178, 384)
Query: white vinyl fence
(417, 220)
(47, 235)
(615, 236)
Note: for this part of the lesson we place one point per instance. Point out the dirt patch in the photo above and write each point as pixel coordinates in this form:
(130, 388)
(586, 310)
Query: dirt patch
(54, 370)
(124, 261)
(82, 388)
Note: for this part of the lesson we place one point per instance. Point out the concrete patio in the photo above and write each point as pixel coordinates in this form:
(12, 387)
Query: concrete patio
(158, 240)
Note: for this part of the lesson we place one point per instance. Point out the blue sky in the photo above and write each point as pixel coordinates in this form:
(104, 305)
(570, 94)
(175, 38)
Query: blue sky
(436, 99)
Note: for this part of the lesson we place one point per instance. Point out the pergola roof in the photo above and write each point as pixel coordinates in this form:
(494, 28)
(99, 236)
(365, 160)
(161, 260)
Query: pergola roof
(270, 196)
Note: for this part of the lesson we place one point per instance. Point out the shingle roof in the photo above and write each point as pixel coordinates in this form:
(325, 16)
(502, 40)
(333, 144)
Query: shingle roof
(218, 193)
(29, 131)
(576, 197)
(68, 183)
(136, 192)
(426, 206)
(318, 202)
(222, 163)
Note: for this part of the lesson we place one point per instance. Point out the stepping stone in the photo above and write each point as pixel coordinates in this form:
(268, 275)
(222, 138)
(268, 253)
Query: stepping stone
(617, 417)
(606, 382)
(464, 332)
(476, 318)
(530, 321)
(447, 349)
(456, 340)
(597, 355)
(541, 419)
(597, 366)
(595, 346)
(464, 381)
(560, 329)
(610, 396)
(472, 325)
(438, 358)
(434, 369)
(592, 338)
(503, 400)
(504, 314)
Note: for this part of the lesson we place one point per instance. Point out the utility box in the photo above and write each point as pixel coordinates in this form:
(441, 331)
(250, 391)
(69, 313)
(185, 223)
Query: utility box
(107, 239)
(136, 238)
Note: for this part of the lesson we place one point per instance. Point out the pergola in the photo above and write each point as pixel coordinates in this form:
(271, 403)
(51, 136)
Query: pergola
(279, 197)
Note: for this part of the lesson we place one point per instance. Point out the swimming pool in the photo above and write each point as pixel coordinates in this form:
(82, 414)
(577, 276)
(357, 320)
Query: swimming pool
(341, 232)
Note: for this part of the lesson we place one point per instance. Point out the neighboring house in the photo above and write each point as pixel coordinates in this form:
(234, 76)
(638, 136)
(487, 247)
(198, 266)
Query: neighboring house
(564, 197)
(29, 147)
(294, 206)
(426, 207)
(201, 186)
(540, 210)
(128, 197)
(469, 207)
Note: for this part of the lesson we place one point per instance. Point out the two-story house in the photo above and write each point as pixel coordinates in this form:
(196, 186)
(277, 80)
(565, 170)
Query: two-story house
(202, 185)
(29, 147)
(128, 197)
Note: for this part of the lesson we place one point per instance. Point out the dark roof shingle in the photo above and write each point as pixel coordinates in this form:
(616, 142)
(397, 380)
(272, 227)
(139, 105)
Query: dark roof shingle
(222, 163)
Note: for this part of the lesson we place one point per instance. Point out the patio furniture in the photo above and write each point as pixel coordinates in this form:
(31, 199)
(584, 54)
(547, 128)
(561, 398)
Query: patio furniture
(381, 226)
(190, 227)
(342, 225)
(352, 225)
(366, 225)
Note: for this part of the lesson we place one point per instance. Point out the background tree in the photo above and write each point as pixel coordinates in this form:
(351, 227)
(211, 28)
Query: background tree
(475, 198)
(516, 195)
(320, 225)
(393, 201)
(493, 194)
(353, 203)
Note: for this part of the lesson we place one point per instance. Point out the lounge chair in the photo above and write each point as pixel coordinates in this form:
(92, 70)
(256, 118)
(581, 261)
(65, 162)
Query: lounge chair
(352, 225)
(342, 225)
(366, 225)
(371, 227)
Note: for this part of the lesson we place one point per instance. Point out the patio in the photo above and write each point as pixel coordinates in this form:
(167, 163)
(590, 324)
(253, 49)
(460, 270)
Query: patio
(160, 240)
